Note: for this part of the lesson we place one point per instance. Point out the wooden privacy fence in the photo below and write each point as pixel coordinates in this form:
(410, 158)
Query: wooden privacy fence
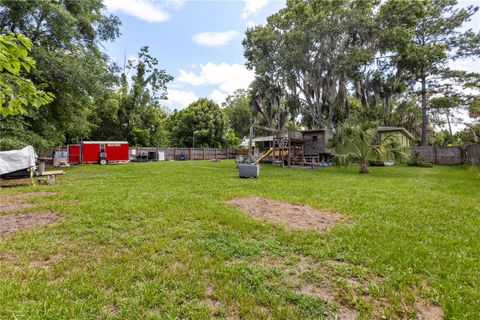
(157, 154)
(473, 154)
(450, 155)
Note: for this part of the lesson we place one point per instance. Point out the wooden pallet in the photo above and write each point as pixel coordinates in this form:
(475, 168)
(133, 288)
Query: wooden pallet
(51, 173)
(46, 177)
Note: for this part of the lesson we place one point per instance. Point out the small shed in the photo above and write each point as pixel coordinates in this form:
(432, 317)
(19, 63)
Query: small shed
(403, 136)
(315, 141)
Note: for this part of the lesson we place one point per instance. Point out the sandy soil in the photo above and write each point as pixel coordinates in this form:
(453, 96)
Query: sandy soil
(16, 222)
(429, 311)
(6, 206)
(25, 195)
(14, 202)
(290, 215)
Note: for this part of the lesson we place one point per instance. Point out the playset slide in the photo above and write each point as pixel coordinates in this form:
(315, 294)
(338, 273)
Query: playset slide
(266, 154)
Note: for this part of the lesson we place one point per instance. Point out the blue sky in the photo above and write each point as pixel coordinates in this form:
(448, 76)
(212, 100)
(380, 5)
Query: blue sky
(199, 42)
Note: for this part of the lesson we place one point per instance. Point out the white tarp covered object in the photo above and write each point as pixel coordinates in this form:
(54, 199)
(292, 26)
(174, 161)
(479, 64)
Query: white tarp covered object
(15, 160)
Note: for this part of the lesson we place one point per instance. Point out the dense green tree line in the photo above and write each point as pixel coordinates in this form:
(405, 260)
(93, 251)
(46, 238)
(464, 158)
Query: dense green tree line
(93, 98)
(357, 61)
(318, 63)
(65, 39)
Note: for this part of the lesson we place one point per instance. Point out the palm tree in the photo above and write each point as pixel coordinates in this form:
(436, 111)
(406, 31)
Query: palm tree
(361, 143)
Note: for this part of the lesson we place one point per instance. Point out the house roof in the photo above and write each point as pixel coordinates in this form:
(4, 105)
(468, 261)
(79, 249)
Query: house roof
(258, 139)
(396, 129)
(312, 130)
(262, 139)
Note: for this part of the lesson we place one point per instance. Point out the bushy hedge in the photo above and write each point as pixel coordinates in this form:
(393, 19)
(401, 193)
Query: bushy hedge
(418, 161)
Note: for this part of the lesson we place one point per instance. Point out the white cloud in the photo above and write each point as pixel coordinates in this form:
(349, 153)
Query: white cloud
(176, 85)
(180, 98)
(176, 4)
(228, 78)
(212, 39)
(132, 57)
(218, 96)
(142, 9)
(469, 64)
(252, 7)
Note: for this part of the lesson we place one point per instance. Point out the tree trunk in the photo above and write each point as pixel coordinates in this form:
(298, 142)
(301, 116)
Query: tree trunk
(423, 140)
(475, 137)
(363, 167)
(449, 125)
(347, 109)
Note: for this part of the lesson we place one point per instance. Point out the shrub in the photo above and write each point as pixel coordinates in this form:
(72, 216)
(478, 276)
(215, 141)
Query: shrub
(418, 161)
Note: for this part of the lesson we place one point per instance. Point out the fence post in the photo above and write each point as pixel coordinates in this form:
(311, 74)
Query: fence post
(435, 156)
(174, 153)
(227, 154)
(203, 153)
(215, 153)
(156, 155)
(189, 153)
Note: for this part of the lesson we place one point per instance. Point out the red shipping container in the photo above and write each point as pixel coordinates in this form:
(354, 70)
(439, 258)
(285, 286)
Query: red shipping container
(102, 152)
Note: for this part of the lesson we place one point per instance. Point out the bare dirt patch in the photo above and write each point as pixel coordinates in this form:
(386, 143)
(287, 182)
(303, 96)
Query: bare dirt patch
(290, 215)
(7, 206)
(14, 202)
(26, 195)
(16, 222)
(428, 311)
(47, 262)
(324, 293)
(351, 291)
(345, 314)
(8, 258)
(211, 302)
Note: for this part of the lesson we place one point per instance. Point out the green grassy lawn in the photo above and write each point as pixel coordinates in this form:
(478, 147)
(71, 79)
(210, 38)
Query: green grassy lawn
(155, 240)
